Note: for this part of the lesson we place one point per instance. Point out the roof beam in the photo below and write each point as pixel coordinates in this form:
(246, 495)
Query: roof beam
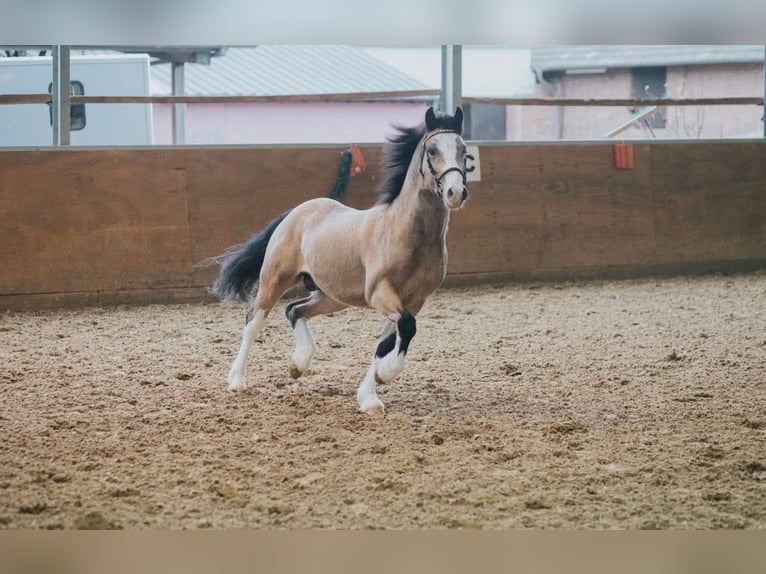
(178, 55)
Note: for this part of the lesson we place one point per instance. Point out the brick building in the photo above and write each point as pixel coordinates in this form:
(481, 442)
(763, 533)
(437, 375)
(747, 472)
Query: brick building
(642, 71)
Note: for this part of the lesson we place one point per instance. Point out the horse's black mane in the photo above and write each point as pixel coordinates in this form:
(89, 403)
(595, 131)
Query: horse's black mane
(399, 150)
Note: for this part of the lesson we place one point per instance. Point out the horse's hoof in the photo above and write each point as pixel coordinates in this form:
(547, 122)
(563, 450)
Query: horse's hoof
(372, 406)
(295, 372)
(301, 361)
(376, 411)
(236, 382)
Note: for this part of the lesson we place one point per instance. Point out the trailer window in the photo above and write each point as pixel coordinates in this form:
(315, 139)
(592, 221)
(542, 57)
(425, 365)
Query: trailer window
(77, 112)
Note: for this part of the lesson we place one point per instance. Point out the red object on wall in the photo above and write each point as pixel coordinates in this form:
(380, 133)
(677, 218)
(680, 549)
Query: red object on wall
(623, 156)
(358, 163)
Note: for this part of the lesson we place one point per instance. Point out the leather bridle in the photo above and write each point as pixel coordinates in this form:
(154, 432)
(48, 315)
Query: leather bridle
(438, 178)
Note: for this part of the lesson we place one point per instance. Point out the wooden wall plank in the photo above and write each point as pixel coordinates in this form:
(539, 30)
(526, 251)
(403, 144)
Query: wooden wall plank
(93, 221)
(710, 201)
(234, 193)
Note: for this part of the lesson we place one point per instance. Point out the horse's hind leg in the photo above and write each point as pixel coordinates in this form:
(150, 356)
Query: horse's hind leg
(254, 321)
(298, 312)
(269, 292)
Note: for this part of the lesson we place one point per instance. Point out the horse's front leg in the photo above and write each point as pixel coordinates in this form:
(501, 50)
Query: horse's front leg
(388, 361)
(392, 350)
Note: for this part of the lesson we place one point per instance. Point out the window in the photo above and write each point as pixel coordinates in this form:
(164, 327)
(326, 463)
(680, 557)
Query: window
(650, 83)
(485, 122)
(77, 112)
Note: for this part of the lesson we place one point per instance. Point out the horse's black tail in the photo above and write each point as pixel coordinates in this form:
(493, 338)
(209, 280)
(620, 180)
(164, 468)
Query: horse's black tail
(241, 265)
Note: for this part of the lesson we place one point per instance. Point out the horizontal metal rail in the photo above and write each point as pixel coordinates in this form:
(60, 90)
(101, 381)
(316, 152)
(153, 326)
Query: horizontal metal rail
(628, 102)
(25, 99)
(372, 96)
(303, 98)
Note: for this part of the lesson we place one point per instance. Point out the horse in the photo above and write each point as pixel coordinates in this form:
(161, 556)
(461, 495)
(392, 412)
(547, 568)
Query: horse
(390, 257)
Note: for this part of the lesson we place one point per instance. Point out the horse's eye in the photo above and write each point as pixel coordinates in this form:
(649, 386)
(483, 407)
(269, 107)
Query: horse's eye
(431, 151)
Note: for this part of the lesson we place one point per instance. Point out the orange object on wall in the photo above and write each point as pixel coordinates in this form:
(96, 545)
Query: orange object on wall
(623, 156)
(358, 163)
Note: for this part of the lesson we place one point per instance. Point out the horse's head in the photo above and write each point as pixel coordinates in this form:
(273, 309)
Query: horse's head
(443, 159)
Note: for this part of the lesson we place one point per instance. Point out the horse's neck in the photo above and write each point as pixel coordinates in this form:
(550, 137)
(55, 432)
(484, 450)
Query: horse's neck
(419, 208)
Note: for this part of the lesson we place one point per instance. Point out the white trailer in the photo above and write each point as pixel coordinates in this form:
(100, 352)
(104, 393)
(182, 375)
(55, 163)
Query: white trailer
(92, 124)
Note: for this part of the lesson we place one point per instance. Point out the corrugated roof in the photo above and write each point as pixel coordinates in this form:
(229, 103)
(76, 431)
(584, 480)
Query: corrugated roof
(555, 58)
(288, 70)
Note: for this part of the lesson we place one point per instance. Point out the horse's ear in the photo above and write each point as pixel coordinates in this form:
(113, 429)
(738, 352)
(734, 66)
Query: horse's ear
(431, 123)
(459, 120)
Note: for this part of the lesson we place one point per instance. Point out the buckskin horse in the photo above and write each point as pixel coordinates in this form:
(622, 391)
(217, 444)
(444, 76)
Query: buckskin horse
(389, 257)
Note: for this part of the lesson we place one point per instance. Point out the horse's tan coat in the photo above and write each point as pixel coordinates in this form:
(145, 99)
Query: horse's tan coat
(390, 257)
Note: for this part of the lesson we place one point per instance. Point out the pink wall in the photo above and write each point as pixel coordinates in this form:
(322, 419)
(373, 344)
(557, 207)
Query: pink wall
(286, 123)
(684, 122)
(715, 121)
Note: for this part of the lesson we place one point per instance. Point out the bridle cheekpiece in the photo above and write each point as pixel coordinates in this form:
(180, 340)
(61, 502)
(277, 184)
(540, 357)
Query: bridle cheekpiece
(438, 179)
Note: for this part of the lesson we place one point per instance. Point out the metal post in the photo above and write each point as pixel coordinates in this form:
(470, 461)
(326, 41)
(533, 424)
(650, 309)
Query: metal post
(763, 115)
(179, 110)
(452, 78)
(60, 98)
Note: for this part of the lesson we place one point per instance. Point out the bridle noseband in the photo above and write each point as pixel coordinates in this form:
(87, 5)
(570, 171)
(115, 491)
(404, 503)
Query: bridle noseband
(438, 179)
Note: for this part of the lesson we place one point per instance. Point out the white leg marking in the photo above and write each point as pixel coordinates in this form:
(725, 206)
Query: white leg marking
(304, 349)
(238, 368)
(389, 367)
(366, 396)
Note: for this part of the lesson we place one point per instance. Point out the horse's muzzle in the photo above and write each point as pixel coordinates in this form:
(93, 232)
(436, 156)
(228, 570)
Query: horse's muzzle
(456, 197)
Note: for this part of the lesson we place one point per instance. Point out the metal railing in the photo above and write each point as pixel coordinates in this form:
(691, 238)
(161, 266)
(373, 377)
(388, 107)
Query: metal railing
(373, 96)
(61, 100)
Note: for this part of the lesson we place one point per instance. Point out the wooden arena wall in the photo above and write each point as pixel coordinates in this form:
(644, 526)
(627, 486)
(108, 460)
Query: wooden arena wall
(101, 226)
